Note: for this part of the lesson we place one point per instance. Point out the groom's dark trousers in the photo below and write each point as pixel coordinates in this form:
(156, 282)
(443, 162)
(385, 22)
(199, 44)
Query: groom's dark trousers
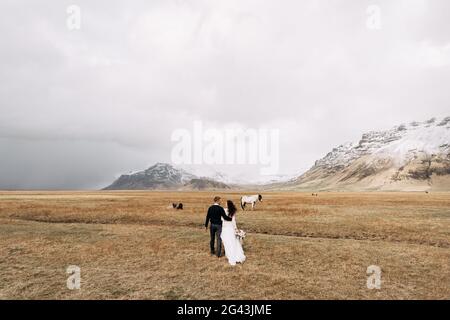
(215, 231)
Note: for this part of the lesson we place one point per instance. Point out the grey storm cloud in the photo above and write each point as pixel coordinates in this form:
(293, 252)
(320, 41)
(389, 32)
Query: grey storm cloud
(80, 106)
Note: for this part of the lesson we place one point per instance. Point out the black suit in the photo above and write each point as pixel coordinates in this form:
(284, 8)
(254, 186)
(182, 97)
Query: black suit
(215, 214)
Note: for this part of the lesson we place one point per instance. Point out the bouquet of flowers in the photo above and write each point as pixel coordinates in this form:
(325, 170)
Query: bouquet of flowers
(240, 234)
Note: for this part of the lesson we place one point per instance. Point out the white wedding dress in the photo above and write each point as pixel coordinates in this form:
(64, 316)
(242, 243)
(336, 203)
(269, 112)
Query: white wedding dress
(232, 245)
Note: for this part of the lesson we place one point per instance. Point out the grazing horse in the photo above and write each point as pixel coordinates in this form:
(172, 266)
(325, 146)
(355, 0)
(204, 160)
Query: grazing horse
(177, 206)
(250, 200)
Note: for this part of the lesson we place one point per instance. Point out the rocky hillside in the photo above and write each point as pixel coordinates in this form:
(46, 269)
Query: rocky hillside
(408, 157)
(205, 184)
(163, 176)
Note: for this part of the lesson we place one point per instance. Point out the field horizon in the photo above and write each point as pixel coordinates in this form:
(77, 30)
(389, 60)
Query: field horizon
(131, 245)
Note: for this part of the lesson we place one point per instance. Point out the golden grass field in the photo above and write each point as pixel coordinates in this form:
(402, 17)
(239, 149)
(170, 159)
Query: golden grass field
(130, 246)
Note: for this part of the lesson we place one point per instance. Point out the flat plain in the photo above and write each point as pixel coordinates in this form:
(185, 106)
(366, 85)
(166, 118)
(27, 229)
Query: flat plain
(130, 245)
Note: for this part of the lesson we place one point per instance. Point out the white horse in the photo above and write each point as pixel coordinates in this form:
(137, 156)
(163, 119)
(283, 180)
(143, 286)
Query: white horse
(250, 200)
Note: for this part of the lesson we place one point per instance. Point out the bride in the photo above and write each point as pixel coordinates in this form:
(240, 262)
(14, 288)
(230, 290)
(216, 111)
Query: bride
(233, 247)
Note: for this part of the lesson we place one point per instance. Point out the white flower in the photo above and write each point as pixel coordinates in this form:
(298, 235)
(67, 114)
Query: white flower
(240, 234)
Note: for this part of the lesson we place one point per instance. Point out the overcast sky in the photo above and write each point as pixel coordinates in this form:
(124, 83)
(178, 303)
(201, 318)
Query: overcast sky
(79, 107)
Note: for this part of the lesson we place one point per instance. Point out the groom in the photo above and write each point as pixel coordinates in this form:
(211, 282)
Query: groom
(215, 213)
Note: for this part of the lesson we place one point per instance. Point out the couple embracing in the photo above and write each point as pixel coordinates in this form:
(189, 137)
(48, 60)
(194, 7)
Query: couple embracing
(223, 228)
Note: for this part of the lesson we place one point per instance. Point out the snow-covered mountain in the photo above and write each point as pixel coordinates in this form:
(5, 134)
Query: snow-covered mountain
(164, 176)
(263, 180)
(208, 172)
(412, 156)
(245, 178)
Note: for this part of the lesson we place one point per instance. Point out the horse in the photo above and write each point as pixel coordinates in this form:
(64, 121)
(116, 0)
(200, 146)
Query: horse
(250, 199)
(177, 206)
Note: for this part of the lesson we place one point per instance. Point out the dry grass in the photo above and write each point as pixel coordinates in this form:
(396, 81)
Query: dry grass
(130, 246)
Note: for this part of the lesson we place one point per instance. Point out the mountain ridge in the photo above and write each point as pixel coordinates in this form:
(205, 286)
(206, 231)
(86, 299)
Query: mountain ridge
(164, 176)
(408, 157)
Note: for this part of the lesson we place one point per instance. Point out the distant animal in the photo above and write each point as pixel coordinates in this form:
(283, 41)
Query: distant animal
(250, 200)
(314, 194)
(177, 206)
(426, 191)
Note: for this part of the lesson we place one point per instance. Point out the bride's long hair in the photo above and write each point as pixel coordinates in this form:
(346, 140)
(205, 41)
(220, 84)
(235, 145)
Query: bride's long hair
(231, 208)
